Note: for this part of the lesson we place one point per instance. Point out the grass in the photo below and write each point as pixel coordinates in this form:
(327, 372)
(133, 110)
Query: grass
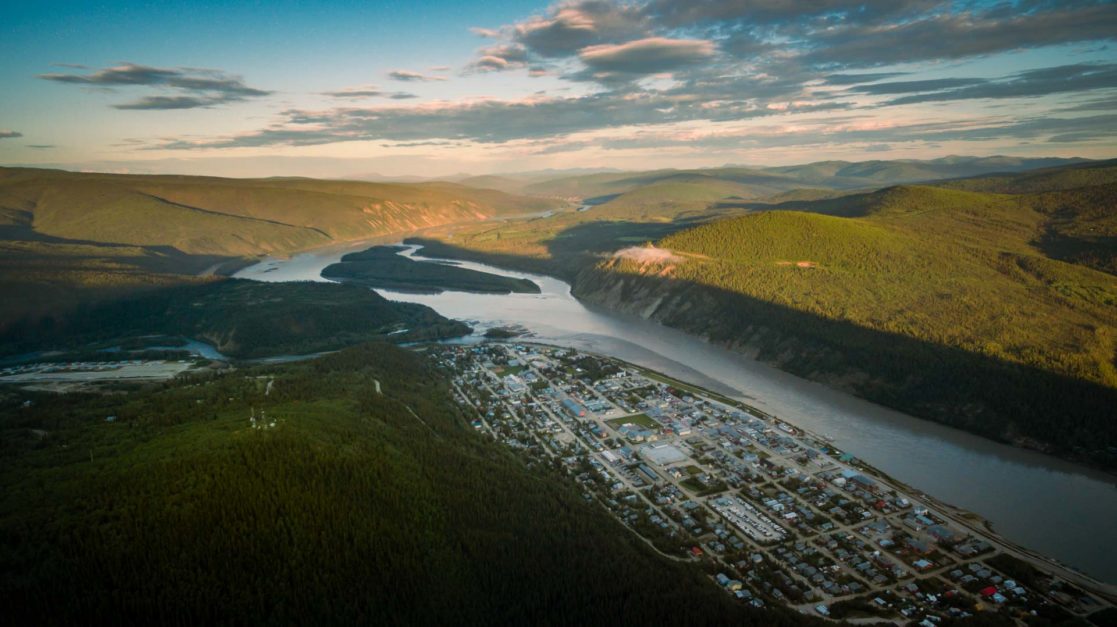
(642, 420)
(507, 371)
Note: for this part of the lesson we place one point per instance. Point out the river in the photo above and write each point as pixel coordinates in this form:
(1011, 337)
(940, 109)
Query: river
(1056, 508)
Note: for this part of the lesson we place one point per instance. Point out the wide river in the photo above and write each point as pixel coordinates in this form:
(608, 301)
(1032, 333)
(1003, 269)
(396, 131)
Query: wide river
(1057, 508)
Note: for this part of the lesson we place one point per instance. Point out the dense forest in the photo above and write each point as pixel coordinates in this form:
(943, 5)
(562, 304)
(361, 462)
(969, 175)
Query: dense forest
(382, 267)
(357, 507)
(241, 318)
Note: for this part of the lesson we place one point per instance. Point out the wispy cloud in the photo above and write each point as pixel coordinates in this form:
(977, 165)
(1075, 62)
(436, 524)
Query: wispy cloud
(1028, 84)
(645, 56)
(369, 91)
(639, 68)
(196, 88)
(410, 76)
(8, 134)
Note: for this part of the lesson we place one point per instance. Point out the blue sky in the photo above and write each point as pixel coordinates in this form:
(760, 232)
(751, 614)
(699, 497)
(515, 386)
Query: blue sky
(350, 88)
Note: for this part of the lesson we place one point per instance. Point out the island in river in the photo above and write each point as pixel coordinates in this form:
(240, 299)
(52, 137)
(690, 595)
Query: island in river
(383, 267)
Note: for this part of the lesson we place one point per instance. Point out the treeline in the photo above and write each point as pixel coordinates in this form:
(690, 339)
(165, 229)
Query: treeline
(358, 507)
(1001, 400)
(382, 267)
(242, 319)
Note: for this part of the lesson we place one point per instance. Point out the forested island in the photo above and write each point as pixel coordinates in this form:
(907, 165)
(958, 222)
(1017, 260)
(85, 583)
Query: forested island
(382, 267)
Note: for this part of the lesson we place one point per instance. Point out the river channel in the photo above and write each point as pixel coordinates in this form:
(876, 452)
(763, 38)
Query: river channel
(1054, 507)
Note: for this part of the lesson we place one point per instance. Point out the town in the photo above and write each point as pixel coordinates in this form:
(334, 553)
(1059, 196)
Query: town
(775, 515)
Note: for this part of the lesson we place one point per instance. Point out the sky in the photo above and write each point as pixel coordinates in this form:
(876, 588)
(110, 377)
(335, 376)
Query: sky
(437, 88)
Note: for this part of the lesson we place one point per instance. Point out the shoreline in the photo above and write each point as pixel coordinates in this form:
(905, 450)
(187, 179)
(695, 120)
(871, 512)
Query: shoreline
(965, 518)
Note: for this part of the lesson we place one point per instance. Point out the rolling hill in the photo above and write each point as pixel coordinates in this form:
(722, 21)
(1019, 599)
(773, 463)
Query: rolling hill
(68, 237)
(754, 183)
(892, 294)
(215, 216)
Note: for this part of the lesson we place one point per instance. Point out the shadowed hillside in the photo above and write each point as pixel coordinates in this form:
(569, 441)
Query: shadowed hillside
(990, 275)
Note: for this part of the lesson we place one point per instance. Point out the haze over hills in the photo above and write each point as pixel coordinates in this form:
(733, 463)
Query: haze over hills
(757, 182)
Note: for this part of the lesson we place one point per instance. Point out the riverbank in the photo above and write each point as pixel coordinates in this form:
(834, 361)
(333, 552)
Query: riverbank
(958, 515)
(820, 495)
(1053, 506)
(1005, 402)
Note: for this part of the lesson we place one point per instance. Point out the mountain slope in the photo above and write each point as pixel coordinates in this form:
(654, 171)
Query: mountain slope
(916, 285)
(206, 215)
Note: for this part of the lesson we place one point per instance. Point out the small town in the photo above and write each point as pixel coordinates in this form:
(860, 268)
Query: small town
(773, 514)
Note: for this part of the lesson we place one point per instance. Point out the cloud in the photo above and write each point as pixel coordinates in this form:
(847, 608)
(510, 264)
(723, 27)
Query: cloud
(906, 87)
(164, 103)
(643, 68)
(767, 13)
(7, 134)
(368, 91)
(857, 79)
(499, 58)
(646, 56)
(197, 88)
(569, 27)
(1028, 84)
(40, 146)
(949, 34)
(410, 76)
(500, 121)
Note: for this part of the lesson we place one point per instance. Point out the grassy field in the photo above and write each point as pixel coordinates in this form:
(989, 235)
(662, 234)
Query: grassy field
(642, 420)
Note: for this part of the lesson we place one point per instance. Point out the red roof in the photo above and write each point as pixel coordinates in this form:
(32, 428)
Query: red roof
(696, 551)
(988, 592)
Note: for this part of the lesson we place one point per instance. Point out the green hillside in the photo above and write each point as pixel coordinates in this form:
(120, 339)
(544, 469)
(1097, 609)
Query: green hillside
(958, 270)
(1042, 180)
(358, 507)
(68, 238)
(207, 215)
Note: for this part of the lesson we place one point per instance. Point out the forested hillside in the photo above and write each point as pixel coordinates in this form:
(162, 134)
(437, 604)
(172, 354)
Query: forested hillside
(899, 292)
(358, 507)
